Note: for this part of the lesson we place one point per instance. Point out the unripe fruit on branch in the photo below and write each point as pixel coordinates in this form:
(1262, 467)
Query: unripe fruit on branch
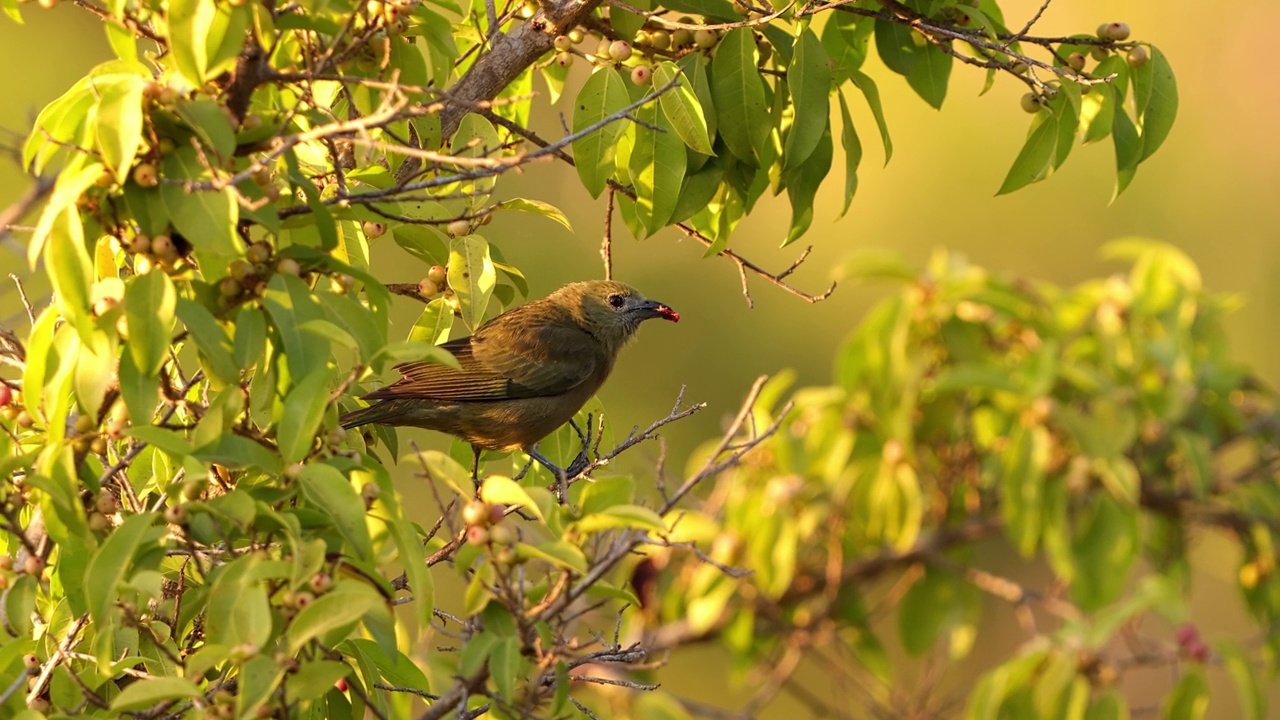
(642, 75)
(705, 39)
(1031, 102)
(619, 50)
(460, 227)
(1075, 61)
(563, 59)
(437, 274)
(146, 176)
(1139, 56)
(164, 249)
(427, 288)
(1113, 31)
(660, 39)
(475, 512)
(258, 252)
(562, 43)
(288, 266)
(374, 230)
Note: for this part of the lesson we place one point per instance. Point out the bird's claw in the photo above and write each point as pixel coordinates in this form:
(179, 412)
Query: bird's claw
(579, 464)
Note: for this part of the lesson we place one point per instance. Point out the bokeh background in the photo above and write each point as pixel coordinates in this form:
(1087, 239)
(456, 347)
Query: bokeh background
(1213, 190)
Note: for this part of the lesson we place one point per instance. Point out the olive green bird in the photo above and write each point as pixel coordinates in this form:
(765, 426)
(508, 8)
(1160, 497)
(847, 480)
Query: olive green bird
(523, 374)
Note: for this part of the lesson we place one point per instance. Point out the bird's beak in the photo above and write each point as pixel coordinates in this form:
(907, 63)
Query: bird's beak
(656, 309)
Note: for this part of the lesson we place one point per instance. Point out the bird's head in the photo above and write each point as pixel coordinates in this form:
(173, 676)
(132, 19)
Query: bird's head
(613, 310)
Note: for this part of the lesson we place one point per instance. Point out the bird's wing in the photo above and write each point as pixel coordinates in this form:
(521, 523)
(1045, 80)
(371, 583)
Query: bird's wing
(512, 360)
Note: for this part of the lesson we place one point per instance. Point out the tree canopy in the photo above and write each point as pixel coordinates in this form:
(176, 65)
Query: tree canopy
(187, 530)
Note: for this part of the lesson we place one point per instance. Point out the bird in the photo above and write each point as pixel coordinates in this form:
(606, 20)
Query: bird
(522, 374)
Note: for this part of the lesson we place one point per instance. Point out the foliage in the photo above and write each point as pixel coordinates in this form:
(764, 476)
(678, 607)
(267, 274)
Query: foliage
(188, 532)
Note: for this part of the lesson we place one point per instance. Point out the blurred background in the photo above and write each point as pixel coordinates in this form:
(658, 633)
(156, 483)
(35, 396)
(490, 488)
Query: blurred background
(1213, 189)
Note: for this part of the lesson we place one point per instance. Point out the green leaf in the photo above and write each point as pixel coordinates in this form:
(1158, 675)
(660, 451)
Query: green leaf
(682, 108)
(560, 553)
(803, 183)
(150, 305)
(165, 439)
(622, 516)
(896, 47)
(504, 664)
(475, 138)
(1162, 108)
(499, 489)
(694, 67)
(110, 563)
(1128, 144)
(250, 337)
(603, 94)
(1036, 155)
(433, 324)
(845, 38)
(345, 605)
(1251, 689)
(444, 468)
(302, 414)
(325, 487)
(61, 121)
(207, 218)
(156, 690)
(657, 164)
(852, 154)
(698, 190)
(472, 277)
(238, 611)
(259, 678)
(930, 75)
(1022, 483)
(1105, 551)
(210, 122)
(314, 679)
(936, 604)
(537, 207)
(20, 602)
(119, 121)
(1108, 706)
(70, 270)
(190, 22)
(290, 303)
(210, 338)
(809, 80)
(872, 93)
(1190, 697)
(738, 93)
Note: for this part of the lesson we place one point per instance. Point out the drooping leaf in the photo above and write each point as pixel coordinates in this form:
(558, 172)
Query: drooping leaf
(682, 108)
(603, 95)
(738, 93)
(809, 80)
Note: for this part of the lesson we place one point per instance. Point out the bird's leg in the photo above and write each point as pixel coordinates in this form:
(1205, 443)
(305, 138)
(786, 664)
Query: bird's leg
(583, 459)
(475, 465)
(562, 480)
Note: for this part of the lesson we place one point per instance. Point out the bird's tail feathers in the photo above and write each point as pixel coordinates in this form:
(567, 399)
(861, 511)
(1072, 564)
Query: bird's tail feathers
(376, 412)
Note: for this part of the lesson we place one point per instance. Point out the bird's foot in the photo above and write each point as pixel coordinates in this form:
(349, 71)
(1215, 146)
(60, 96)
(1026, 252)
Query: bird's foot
(562, 478)
(579, 464)
(583, 460)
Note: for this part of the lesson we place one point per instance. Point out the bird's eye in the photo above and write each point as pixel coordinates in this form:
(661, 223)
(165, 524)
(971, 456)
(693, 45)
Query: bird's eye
(617, 301)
